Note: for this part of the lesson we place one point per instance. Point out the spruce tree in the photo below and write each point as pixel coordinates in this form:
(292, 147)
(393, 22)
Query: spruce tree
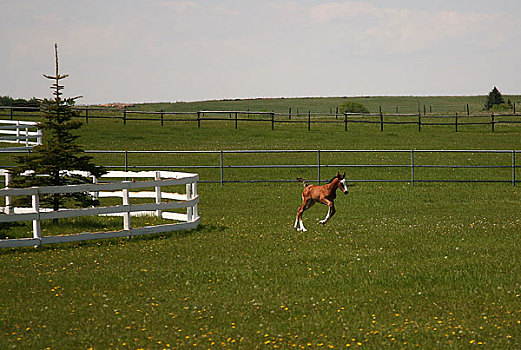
(58, 153)
(494, 98)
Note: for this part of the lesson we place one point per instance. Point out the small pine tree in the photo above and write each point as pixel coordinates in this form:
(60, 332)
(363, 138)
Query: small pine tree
(58, 152)
(494, 98)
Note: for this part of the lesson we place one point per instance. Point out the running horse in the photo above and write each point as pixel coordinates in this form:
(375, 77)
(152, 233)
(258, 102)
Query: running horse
(324, 194)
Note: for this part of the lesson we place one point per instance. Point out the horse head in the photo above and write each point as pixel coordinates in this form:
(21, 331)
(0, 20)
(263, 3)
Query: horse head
(342, 183)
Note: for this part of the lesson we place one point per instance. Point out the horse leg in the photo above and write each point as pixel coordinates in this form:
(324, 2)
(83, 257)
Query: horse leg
(306, 204)
(331, 211)
(299, 214)
(296, 222)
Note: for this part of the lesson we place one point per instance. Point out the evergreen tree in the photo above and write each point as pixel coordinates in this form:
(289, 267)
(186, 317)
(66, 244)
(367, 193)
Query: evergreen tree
(58, 153)
(494, 98)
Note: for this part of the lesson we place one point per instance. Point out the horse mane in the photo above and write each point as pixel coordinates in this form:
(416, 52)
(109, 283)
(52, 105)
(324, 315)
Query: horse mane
(332, 179)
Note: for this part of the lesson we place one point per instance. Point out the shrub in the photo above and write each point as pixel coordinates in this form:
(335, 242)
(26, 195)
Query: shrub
(6, 100)
(504, 107)
(352, 107)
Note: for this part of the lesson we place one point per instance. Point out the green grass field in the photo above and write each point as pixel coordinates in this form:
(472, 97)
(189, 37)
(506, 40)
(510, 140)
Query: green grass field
(389, 104)
(401, 266)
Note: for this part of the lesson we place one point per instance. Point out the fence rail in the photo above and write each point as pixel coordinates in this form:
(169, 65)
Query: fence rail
(421, 120)
(20, 132)
(119, 189)
(408, 166)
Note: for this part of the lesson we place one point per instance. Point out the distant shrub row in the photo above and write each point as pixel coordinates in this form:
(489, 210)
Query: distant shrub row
(19, 102)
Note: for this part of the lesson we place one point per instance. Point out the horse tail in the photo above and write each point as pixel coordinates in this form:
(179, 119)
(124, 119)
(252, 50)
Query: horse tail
(303, 181)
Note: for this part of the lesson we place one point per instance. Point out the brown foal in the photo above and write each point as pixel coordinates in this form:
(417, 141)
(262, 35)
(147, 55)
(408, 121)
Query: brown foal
(324, 194)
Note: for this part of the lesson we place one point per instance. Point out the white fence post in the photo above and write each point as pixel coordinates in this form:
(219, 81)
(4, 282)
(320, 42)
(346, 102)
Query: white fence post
(189, 210)
(17, 131)
(95, 195)
(39, 137)
(158, 193)
(194, 194)
(36, 209)
(126, 215)
(8, 208)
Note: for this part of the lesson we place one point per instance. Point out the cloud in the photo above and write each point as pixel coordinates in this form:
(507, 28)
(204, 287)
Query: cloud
(47, 18)
(180, 6)
(195, 49)
(390, 31)
(342, 11)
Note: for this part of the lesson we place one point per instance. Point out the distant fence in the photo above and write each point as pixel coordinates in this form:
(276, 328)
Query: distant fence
(20, 132)
(119, 189)
(408, 166)
(380, 120)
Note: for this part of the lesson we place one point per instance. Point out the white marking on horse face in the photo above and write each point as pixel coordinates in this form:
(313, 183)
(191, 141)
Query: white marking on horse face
(344, 188)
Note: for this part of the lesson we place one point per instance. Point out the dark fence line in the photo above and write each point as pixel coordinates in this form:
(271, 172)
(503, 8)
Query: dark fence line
(273, 118)
(316, 161)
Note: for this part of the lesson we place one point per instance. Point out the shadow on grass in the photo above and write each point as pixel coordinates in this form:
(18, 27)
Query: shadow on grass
(4, 234)
(201, 229)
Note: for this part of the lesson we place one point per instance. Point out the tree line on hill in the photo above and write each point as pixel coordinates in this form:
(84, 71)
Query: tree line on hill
(20, 102)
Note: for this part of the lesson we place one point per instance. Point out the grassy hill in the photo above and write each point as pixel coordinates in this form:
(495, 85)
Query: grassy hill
(389, 104)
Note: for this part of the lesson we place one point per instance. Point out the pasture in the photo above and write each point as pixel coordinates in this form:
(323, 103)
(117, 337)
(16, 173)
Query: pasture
(430, 265)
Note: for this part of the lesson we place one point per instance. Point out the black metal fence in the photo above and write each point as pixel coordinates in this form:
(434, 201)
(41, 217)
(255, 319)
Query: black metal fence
(380, 120)
(257, 166)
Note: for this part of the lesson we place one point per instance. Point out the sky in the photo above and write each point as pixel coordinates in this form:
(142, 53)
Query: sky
(136, 51)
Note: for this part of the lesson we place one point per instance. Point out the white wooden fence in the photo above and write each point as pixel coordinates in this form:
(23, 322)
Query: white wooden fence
(119, 189)
(21, 132)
